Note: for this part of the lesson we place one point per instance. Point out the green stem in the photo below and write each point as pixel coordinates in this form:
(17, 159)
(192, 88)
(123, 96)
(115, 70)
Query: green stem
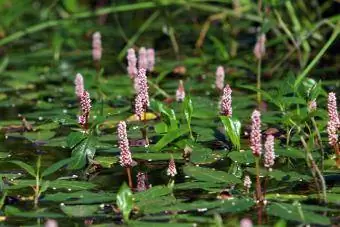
(258, 82)
(317, 57)
(37, 183)
(320, 141)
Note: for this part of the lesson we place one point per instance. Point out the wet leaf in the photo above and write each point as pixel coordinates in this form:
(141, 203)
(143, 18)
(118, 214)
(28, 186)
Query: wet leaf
(79, 210)
(232, 127)
(210, 175)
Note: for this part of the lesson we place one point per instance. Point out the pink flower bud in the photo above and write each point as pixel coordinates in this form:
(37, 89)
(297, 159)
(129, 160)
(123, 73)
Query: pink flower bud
(269, 155)
(171, 171)
(142, 59)
(132, 63)
(125, 153)
(51, 223)
(79, 85)
(246, 222)
(226, 108)
(312, 105)
(180, 92)
(96, 46)
(255, 134)
(150, 54)
(247, 182)
(219, 77)
(260, 47)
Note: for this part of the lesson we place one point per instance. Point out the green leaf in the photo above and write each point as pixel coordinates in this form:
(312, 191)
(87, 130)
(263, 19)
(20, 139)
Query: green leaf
(74, 138)
(124, 201)
(234, 205)
(232, 127)
(56, 166)
(41, 213)
(80, 197)
(210, 175)
(242, 157)
(156, 156)
(79, 210)
(85, 149)
(296, 213)
(168, 138)
(29, 169)
(43, 135)
(57, 184)
(152, 193)
(106, 161)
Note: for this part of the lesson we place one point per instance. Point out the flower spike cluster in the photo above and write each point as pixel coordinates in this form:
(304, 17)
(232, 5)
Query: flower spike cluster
(85, 105)
(333, 124)
(220, 77)
(226, 108)
(125, 153)
(79, 85)
(180, 92)
(269, 155)
(96, 46)
(132, 63)
(142, 98)
(171, 171)
(255, 134)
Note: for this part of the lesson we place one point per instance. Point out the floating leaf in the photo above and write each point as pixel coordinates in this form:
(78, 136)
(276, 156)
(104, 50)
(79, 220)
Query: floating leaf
(79, 210)
(56, 166)
(29, 169)
(243, 157)
(296, 213)
(147, 116)
(41, 213)
(156, 156)
(85, 149)
(210, 175)
(234, 205)
(168, 138)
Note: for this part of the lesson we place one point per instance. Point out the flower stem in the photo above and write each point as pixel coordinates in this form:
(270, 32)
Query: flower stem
(128, 171)
(258, 82)
(258, 182)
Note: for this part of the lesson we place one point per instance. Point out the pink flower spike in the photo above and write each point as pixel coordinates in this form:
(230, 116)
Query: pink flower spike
(85, 103)
(332, 133)
(132, 63)
(125, 153)
(142, 98)
(96, 46)
(142, 59)
(142, 182)
(171, 171)
(220, 77)
(226, 108)
(180, 92)
(247, 182)
(150, 56)
(255, 134)
(333, 110)
(260, 47)
(269, 155)
(79, 85)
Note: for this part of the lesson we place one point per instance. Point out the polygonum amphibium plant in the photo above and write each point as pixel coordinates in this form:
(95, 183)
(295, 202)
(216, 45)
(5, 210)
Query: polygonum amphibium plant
(96, 46)
(132, 63)
(150, 56)
(180, 92)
